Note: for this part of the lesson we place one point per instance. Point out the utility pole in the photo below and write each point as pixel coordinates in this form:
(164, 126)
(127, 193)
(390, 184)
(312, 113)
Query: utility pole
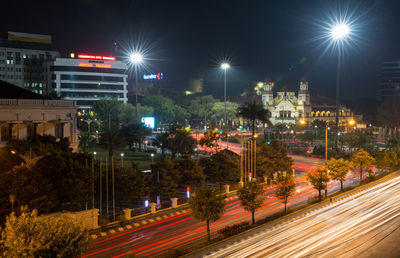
(107, 213)
(101, 185)
(113, 182)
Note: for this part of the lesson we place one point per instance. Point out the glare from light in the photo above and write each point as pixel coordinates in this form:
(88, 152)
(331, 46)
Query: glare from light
(340, 31)
(225, 66)
(352, 122)
(136, 58)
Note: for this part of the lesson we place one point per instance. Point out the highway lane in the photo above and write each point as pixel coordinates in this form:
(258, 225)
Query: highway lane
(183, 230)
(347, 228)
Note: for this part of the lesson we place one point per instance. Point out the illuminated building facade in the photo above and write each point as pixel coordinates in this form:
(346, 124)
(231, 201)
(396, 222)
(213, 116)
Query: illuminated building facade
(89, 78)
(287, 108)
(23, 58)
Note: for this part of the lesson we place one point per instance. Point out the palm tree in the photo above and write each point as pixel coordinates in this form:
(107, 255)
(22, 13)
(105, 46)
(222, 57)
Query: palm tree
(254, 111)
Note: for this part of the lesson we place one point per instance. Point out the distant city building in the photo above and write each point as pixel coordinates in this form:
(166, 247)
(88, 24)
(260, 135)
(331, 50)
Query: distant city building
(287, 108)
(89, 78)
(196, 85)
(22, 60)
(24, 115)
(390, 79)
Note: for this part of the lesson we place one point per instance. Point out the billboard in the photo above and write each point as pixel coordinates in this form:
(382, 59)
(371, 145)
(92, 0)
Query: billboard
(29, 37)
(148, 121)
(153, 76)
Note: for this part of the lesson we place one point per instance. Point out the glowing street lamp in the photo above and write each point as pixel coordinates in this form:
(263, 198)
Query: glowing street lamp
(225, 66)
(136, 59)
(338, 33)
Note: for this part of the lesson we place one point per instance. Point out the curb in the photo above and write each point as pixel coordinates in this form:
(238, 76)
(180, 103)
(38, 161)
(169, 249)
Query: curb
(135, 225)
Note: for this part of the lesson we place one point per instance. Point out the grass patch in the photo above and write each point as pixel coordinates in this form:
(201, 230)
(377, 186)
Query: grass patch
(143, 159)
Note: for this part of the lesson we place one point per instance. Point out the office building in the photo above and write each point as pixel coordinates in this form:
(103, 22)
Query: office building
(89, 78)
(22, 60)
(390, 79)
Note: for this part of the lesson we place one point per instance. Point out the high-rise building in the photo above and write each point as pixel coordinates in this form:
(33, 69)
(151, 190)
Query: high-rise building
(89, 78)
(22, 60)
(390, 79)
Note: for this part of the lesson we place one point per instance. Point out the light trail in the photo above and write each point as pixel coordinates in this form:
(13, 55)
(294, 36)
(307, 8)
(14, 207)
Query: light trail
(327, 232)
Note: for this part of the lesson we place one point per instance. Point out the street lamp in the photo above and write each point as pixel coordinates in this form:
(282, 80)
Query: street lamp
(136, 59)
(338, 33)
(122, 159)
(225, 66)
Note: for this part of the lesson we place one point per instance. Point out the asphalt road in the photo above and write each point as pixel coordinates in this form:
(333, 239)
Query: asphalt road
(182, 230)
(363, 225)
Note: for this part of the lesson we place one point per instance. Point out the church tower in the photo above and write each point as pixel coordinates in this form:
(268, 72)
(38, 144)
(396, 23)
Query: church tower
(304, 94)
(268, 95)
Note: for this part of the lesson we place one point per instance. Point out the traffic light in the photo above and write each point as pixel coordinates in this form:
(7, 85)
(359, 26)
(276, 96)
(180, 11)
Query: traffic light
(268, 142)
(220, 132)
(241, 127)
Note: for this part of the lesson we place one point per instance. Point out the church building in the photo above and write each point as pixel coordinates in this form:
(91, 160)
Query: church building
(287, 108)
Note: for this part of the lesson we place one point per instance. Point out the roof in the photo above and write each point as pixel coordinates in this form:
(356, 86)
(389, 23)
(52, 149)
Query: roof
(321, 100)
(10, 91)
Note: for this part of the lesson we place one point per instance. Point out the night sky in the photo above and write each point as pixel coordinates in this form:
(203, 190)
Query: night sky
(185, 39)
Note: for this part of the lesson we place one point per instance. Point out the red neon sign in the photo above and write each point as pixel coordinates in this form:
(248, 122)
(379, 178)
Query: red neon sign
(106, 58)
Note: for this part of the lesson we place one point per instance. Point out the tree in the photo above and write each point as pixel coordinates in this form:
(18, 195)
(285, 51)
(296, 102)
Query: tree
(111, 139)
(165, 177)
(388, 115)
(135, 133)
(271, 158)
(254, 111)
(127, 113)
(362, 160)
(182, 142)
(165, 110)
(319, 179)
(29, 187)
(387, 160)
(207, 205)
(191, 174)
(30, 235)
(307, 137)
(107, 112)
(338, 169)
(162, 141)
(251, 197)
(202, 106)
(210, 139)
(218, 110)
(222, 168)
(86, 142)
(285, 187)
(50, 178)
(132, 185)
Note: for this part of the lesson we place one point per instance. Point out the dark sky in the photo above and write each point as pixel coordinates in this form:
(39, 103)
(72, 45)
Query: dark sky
(190, 38)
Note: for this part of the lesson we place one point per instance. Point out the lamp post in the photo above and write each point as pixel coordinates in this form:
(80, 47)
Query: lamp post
(136, 59)
(338, 32)
(225, 66)
(122, 160)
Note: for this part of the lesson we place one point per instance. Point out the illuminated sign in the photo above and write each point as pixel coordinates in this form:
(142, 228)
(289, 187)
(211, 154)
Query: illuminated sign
(148, 121)
(153, 76)
(106, 58)
(94, 65)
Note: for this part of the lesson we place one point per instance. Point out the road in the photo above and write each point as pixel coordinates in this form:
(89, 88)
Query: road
(357, 226)
(182, 230)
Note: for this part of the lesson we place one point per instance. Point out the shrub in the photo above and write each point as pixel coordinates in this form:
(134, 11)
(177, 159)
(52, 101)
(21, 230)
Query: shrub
(30, 235)
(234, 229)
